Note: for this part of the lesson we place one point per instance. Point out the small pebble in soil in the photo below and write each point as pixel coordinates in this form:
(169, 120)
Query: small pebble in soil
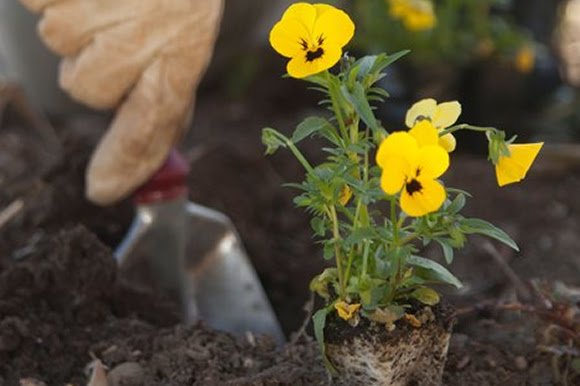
(126, 374)
(491, 362)
(521, 363)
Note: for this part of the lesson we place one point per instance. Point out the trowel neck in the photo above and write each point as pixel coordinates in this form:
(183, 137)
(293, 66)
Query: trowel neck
(167, 184)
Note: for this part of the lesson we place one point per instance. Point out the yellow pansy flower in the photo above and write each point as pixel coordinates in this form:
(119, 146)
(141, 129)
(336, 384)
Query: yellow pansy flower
(346, 311)
(416, 15)
(525, 59)
(441, 115)
(514, 167)
(312, 35)
(411, 167)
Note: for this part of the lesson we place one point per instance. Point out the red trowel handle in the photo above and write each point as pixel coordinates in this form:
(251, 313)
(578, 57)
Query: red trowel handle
(168, 183)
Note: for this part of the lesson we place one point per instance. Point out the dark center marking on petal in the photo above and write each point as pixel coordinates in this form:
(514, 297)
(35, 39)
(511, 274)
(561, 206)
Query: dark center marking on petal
(422, 118)
(321, 39)
(304, 44)
(413, 186)
(418, 173)
(311, 56)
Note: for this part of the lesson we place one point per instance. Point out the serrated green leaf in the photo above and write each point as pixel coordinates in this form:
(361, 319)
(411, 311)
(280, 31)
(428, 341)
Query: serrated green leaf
(328, 251)
(426, 296)
(477, 226)
(440, 272)
(318, 225)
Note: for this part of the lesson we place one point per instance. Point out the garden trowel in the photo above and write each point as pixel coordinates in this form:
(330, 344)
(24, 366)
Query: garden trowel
(195, 255)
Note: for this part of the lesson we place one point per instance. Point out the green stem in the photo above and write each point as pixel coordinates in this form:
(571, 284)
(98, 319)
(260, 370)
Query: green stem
(365, 259)
(465, 126)
(299, 156)
(415, 235)
(394, 221)
(338, 255)
(351, 252)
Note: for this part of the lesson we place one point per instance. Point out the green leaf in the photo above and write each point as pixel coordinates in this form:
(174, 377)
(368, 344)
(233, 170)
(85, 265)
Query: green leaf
(457, 204)
(373, 64)
(318, 226)
(359, 235)
(310, 126)
(319, 321)
(271, 139)
(426, 296)
(447, 250)
(380, 91)
(458, 191)
(358, 98)
(440, 272)
(328, 251)
(477, 226)
(388, 60)
(365, 65)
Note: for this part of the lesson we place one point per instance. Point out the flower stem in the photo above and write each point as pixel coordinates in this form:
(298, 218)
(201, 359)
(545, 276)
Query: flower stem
(337, 253)
(394, 221)
(465, 126)
(365, 259)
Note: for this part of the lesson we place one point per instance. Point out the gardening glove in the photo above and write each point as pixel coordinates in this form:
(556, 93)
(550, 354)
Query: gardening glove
(568, 41)
(144, 57)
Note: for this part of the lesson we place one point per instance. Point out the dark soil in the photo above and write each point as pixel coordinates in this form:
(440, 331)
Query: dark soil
(62, 303)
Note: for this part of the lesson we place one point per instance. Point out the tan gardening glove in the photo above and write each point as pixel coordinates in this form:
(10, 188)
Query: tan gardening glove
(145, 57)
(568, 41)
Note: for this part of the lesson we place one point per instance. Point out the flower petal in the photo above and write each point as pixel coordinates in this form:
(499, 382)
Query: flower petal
(333, 25)
(286, 37)
(428, 199)
(425, 133)
(433, 161)
(397, 144)
(515, 167)
(304, 12)
(395, 172)
(446, 114)
(346, 311)
(300, 67)
(448, 142)
(423, 109)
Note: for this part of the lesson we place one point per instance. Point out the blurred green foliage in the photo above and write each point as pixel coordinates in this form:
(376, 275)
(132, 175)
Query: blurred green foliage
(465, 31)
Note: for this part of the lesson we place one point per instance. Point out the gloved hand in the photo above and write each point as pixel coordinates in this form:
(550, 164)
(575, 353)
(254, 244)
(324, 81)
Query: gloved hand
(145, 57)
(568, 41)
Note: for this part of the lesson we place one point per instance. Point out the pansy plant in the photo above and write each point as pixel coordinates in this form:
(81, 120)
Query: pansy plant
(378, 270)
